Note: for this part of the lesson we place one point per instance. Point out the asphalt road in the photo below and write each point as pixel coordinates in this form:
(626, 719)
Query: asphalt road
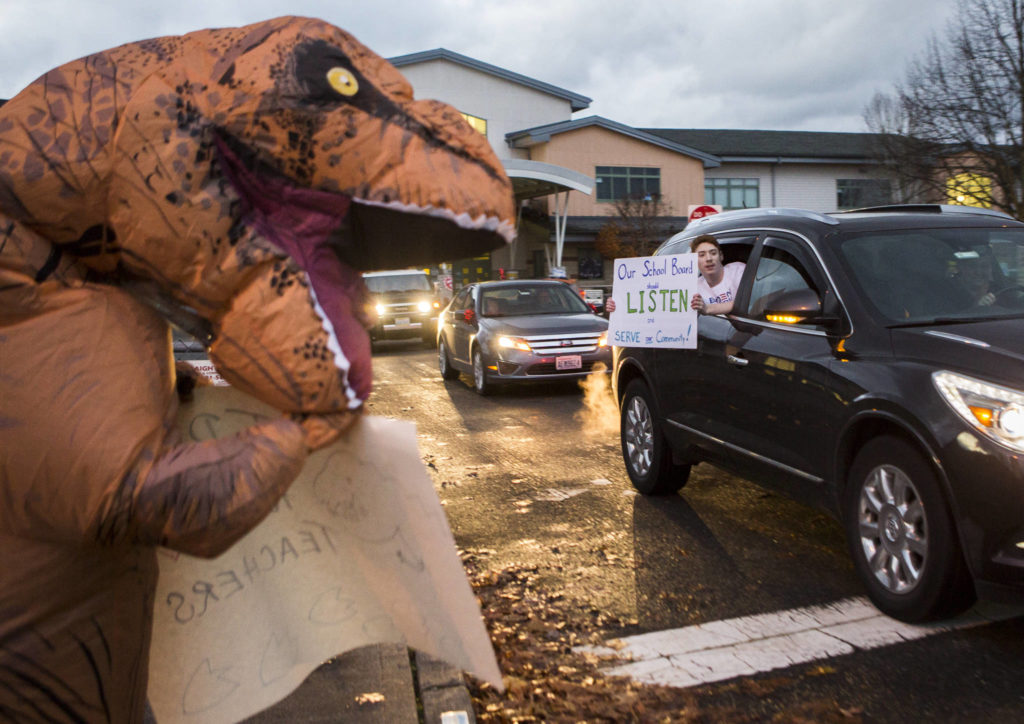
(533, 475)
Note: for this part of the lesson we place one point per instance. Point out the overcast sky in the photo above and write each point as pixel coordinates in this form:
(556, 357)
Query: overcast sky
(755, 64)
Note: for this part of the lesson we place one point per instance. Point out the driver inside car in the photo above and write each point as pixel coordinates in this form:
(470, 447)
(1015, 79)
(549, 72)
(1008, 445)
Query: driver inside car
(976, 276)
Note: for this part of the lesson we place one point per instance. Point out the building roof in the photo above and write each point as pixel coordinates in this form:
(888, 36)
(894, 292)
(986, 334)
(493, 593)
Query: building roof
(577, 102)
(583, 228)
(542, 134)
(773, 146)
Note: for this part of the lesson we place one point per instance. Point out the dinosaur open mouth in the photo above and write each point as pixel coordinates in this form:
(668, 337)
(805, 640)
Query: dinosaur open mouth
(301, 222)
(334, 236)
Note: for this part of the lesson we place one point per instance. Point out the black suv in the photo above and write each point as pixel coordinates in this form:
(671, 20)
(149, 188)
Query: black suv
(873, 363)
(402, 304)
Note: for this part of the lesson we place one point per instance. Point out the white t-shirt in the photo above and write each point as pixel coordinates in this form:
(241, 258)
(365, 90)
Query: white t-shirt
(725, 290)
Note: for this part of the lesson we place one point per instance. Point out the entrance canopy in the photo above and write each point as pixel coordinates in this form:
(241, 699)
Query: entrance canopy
(532, 179)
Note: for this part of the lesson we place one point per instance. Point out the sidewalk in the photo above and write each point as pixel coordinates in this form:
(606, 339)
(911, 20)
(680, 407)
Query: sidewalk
(382, 684)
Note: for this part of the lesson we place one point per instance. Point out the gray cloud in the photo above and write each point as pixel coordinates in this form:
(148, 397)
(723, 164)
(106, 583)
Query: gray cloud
(767, 64)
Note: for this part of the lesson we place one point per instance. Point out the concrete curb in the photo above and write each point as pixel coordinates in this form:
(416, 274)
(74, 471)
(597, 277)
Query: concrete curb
(382, 684)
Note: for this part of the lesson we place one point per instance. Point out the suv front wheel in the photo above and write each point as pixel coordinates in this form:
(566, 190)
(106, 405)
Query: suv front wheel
(901, 534)
(647, 455)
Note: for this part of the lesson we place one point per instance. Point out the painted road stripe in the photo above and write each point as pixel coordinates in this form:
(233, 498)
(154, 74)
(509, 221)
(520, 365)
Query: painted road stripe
(754, 644)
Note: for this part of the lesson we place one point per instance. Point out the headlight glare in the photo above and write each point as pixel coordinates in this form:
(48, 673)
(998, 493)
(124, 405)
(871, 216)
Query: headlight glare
(602, 341)
(994, 410)
(380, 308)
(515, 343)
(1011, 420)
(423, 306)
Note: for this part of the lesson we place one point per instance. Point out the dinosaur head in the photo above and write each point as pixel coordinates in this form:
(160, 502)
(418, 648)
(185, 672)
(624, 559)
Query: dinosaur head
(245, 176)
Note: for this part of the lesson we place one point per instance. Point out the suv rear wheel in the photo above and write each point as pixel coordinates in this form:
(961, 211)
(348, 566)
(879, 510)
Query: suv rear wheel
(901, 534)
(647, 455)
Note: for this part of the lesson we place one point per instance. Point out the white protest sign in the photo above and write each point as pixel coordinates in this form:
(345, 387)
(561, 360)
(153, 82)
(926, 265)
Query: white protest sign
(358, 552)
(652, 302)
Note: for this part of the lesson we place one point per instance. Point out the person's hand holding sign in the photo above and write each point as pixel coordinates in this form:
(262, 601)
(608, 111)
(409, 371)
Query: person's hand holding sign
(654, 302)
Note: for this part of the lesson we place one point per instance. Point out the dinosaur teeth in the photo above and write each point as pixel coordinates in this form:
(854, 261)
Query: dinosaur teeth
(506, 229)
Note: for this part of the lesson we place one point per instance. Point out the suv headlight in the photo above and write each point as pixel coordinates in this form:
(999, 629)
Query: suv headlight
(423, 306)
(996, 411)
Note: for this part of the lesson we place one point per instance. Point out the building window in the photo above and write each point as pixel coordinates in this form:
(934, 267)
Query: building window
(733, 193)
(590, 263)
(620, 182)
(479, 124)
(969, 189)
(858, 193)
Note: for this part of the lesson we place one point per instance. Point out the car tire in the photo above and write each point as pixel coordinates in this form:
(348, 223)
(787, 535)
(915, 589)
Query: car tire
(901, 534)
(481, 384)
(444, 362)
(645, 451)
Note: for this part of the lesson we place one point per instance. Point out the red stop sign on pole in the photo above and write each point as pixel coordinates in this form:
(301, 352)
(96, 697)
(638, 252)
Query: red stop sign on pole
(699, 212)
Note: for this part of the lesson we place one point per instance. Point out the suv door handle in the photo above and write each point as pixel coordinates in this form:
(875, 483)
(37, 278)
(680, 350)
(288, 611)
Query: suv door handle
(738, 361)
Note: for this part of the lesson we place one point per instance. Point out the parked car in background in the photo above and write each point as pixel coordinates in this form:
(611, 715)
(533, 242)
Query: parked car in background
(520, 331)
(594, 296)
(873, 362)
(403, 305)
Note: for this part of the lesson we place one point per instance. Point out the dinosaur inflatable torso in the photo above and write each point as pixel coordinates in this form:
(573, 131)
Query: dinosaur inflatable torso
(233, 182)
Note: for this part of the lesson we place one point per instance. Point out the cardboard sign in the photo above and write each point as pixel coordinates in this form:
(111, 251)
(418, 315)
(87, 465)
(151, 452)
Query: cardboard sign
(205, 368)
(357, 552)
(652, 302)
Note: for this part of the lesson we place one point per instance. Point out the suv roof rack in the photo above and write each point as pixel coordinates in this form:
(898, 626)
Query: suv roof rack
(766, 211)
(928, 209)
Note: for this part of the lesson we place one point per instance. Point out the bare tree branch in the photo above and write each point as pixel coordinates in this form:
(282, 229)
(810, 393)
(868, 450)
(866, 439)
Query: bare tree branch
(955, 125)
(638, 228)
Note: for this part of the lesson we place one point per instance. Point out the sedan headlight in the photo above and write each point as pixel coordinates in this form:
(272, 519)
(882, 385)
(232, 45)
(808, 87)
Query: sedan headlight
(996, 411)
(515, 343)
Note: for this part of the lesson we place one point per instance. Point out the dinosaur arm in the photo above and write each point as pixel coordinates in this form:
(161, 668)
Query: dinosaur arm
(201, 497)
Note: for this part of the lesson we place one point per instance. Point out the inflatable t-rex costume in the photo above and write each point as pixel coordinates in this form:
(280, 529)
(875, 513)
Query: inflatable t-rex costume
(230, 181)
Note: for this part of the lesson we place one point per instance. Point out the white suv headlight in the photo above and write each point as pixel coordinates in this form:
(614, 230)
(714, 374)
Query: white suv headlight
(996, 411)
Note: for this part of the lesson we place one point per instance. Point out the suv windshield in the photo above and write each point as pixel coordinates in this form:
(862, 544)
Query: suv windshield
(379, 284)
(922, 276)
(510, 300)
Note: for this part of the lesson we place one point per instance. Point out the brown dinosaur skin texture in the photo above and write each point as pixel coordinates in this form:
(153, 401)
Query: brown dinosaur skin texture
(233, 182)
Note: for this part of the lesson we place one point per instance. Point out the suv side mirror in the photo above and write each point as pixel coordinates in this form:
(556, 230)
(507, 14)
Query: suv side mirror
(802, 306)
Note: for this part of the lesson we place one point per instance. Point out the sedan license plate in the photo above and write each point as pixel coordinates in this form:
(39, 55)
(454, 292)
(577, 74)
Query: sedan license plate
(568, 362)
(402, 321)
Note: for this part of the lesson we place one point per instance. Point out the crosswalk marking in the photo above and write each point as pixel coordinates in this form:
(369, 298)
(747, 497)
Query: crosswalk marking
(749, 645)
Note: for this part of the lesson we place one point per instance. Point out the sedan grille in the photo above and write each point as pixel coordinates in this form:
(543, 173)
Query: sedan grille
(549, 368)
(575, 343)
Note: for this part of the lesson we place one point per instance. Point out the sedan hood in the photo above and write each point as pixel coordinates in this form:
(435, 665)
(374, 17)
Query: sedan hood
(991, 349)
(525, 326)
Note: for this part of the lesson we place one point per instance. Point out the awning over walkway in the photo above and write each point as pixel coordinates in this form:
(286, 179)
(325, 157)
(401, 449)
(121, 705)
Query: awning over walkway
(532, 179)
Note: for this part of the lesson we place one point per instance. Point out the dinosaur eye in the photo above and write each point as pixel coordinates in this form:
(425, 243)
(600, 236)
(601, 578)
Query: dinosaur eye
(342, 80)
